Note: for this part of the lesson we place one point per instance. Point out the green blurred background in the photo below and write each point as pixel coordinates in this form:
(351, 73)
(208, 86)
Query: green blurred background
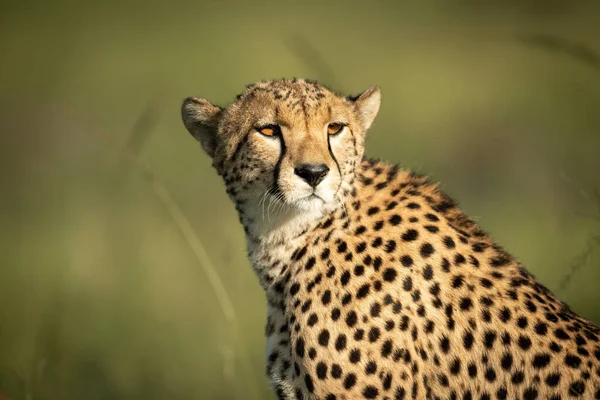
(101, 296)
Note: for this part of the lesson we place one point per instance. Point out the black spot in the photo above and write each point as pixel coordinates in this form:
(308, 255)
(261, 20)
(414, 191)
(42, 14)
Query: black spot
(541, 328)
(576, 389)
(518, 378)
(361, 247)
(541, 360)
(354, 356)
(479, 247)
(507, 361)
(530, 306)
(360, 230)
(410, 235)
(490, 375)
(372, 210)
(489, 339)
(457, 281)
(404, 324)
(363, 291)
(389, 275)
(306, 306)
(340, 343)
(406, 261)
(345, 278)
(444, 380)
(474, 261)
(445, 344)
(429, 326)
(465, 304)
(309, 383)
(553, 380)
(387, 382)
(375, 309)
(524, 342)
(335, 314)
(561, 334)
(499, 261)
(468, 340)
(298, 255)
(551, 317)
(407, 284)
(428, 272)
(390, 246)
(370, 392)
(294, 289)
(321, 370)
(351, 318)
(432, 217)
(349, 381)
(374, 334)
(459, 259)
(445, 265)
(427, 250)
(472, 369)
(386, 348)
(389, 325)
(358, 335)
(522, 322)
(432, 228)
(449, 242)
(324, 338)
(455, 367)
(502, 393)
(377, 263)
(300, 347)
(572, 361)
(370, 368)
(336, 371)
(400, 393)
(530, 393)
(395, 219)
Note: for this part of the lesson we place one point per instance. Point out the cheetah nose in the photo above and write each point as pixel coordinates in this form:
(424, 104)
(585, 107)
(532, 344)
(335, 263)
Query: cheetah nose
(313, 174)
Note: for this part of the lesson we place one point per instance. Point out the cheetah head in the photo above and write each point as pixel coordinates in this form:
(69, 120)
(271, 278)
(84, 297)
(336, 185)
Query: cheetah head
(285, 146)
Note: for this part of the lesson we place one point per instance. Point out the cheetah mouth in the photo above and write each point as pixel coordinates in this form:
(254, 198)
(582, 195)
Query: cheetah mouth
(310, 202)
(314, 196)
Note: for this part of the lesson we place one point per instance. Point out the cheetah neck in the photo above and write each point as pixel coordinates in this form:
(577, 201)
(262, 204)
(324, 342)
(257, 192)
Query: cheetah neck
(270, 244)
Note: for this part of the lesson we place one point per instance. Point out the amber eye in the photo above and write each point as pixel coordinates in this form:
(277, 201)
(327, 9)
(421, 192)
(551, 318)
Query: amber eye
(269, 130)
(334, 129)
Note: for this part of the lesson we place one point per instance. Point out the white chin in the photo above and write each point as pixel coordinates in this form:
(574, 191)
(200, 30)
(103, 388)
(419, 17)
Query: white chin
(311, 203)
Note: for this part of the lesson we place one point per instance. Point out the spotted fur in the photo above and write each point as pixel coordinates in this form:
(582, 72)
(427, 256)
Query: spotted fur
(378, 286)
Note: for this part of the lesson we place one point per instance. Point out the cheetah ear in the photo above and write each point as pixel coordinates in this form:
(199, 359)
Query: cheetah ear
(201, 118)
(367, 104)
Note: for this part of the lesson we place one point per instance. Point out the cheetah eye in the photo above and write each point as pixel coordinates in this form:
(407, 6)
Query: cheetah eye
(269, 130)
(334, 128)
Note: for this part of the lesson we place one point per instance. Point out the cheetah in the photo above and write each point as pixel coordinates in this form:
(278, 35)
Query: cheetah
(378, 286)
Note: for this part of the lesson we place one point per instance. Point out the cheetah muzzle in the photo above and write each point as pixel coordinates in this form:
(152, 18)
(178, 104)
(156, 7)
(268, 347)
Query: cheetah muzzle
(378, 286)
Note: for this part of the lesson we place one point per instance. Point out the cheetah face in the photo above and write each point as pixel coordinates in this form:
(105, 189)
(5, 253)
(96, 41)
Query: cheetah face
(285, 146)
